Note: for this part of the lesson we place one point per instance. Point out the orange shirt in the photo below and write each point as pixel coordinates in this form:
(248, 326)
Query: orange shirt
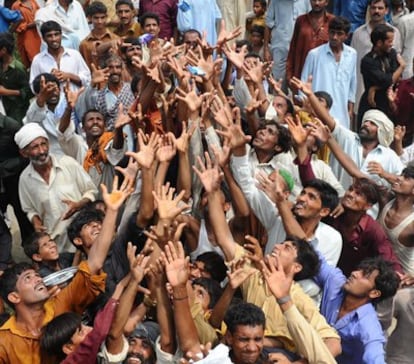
(20, 347)
(87, 47)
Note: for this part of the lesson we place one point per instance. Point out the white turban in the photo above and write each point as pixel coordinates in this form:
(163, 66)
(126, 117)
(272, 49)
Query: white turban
(28, 133)
(385, 126)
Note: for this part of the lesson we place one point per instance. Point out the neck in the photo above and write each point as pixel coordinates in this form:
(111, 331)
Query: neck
(369, 145)
(99, 32)
(351, 303)
(403, 203)
(309, 226)
(115, 87)
(6, 60)
(317, 14)
(63, 4)
(55, 52)
(90, 140)
(263, 156)
(352, 218)
(337, 49)
(30, 318)
(373, 23)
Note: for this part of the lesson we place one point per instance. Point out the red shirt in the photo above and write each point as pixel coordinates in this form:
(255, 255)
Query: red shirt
(166, 10)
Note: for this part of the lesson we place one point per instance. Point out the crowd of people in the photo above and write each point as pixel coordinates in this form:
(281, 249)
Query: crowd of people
(194, 181)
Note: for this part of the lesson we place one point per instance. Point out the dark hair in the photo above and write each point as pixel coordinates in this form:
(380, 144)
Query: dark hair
(214, 265)
(328, 194)
(212, 287)
(380, 33)
(57, 333)
(253, 54)
(340, 23)
(112, 58)
(242, 42)
(244, 314)
(135, 83)
(49, 26)
(370, 2)
(48, 78)
(257, 29)
(88, 112)
(408, 171)
(125, 2)
(148, 15)
(7, 41)
(9, 279)
(326, 96)
(387, 280)
(307, 257)
(31, 244)
(132, 41)
(368, 188)
(263, 3)
(192, 30)
(84, 217)
(284, 140)
(96, 7)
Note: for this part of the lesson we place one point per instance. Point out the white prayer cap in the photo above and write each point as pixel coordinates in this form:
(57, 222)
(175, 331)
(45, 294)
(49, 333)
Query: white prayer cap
(385, 126)
(28, 133)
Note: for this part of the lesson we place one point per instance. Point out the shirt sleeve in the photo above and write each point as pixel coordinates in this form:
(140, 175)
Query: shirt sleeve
(262, 207)
(309, 344)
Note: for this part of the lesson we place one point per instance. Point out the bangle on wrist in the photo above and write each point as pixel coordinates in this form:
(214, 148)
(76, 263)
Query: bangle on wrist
(148, 302)
(283, 300)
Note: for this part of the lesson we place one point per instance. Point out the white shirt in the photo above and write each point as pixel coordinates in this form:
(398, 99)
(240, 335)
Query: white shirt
(327, 240)
(351, 145)
(67, 181)
(73, 21)
(71, 61)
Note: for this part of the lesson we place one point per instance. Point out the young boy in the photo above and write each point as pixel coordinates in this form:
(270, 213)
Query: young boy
(97, 12)
(43, 251)
(258, 16)
(257, 40)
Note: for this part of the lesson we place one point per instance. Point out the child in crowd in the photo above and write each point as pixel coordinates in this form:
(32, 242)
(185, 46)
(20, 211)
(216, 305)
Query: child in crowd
(43, 251)
(258, 15)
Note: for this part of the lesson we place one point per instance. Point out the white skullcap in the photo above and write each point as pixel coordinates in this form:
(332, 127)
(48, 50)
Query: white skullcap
(28, 133)
(385, 126)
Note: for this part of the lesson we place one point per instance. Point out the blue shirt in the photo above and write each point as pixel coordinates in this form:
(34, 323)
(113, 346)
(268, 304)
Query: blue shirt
(361, 334)
(337, 78)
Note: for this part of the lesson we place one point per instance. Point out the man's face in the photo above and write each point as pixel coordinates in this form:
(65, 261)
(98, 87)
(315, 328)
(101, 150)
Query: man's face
(377, 11)
(318, 5)
(115, 71)
(99, 21)
(368, 131)
(360, 284)
(125, 14)
(48, 250)
(190, 40)
(201, 296)
(386, 45)
(337, 38)
(53, 39)
(308, 204)
(404, 185)
(30, 288)
(266, 138)
(355, 200)
(246, 343)
(198, 270)
(286, 254)
(94, 124)
(133, 50)
(140, 351)
(89, 233)
(55, 95)
(38, 151)
(152, 27)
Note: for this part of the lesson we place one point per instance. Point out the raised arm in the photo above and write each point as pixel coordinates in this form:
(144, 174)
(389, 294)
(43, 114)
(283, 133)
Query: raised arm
(113, 202)
(211, 177)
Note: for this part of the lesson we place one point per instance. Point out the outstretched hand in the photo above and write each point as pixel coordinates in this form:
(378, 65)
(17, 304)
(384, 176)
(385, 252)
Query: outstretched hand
(119, 194)
(168, 206)
(209, 174)
(177, 266)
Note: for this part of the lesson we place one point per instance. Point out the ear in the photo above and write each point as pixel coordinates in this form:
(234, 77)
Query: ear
(23, 153)
(36, 257)
(228, 338)
(78, 242)
(67, 349)
(278, 148)
(14, 297)
(374, 293)
(297, 267)
(325, 211)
